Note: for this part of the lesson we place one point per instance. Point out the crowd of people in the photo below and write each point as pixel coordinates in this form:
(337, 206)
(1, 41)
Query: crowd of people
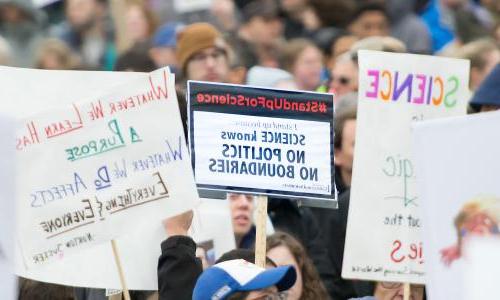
(306, 45)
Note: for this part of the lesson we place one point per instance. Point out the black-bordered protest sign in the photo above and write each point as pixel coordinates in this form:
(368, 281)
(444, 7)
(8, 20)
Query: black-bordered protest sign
(262, 141)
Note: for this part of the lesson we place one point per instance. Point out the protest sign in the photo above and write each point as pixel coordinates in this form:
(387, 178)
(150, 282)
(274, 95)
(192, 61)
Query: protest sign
(212, 222)
(116, 168)
(457, 165)
(482, 268)
(383, 239)
(262, 141)
(7, 212)
(187, 6)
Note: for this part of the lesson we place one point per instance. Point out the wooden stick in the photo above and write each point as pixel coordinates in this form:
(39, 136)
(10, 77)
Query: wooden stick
(120, 270)
(115, 297)
(406, 291)
(260, 235)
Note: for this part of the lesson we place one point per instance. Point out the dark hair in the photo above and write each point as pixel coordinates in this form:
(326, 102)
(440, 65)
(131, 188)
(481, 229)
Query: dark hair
(136, 59)
(369, 6)
(246, 254)
(36, 290)
(312, 287)
(349, 113)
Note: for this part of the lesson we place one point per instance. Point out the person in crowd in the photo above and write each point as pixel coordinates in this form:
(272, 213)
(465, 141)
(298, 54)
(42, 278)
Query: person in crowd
(202, 53)
(163, 46)
(304, 61)
(343, 143)
(369, 19)
(135, 59)
(408, 27)
(140, 22)
(344, 75)
(393, 290)
(484, 55)
(283, 249)
(241, 207)
(487, 98)
(54, 54)
(21, 26)
(338, 46)
(180, 273)
(260, 33)
(285, 216)
(88, 30)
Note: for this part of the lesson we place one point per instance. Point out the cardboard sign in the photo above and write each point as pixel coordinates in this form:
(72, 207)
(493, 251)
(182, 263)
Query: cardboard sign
(383, 239)
(262, 141)
(457, 163)
(116, 169)
(8, 286)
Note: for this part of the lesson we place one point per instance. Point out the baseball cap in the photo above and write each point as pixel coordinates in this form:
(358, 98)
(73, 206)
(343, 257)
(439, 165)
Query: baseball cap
(226, 278)
(166, 35)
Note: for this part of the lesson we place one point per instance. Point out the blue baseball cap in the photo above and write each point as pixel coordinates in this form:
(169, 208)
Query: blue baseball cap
(488, 92)
(166, 35)
(226, 278)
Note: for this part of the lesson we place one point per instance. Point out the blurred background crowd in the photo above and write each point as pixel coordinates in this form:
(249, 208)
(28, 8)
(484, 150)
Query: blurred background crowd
(294, 44)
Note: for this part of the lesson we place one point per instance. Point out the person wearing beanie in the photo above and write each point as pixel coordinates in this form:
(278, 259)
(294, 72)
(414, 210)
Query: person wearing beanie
(487, 96)
(202, 53)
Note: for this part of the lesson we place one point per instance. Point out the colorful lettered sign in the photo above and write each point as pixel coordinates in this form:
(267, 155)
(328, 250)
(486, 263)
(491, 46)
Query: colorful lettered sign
(383, 240)
(98, 168)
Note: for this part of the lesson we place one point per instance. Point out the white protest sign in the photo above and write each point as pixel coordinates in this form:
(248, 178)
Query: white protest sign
(457, 165)
(116, 168)
(41, 90)
(262, 141)
(212, 222)
(482, 268)
(8, 280)
(383, 239)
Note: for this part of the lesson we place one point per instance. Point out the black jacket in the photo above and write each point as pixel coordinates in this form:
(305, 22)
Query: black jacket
(178, 268)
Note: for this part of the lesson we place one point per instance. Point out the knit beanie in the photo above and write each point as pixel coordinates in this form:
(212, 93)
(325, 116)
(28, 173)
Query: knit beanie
(194, 38)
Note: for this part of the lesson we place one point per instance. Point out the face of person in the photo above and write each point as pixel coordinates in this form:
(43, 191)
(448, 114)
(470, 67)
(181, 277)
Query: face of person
(479, 225)
(282, 256)
(241, 207)
(210, 64)
(81, 13)
(263, 294)
(344, 77)
(265, 30)
(137, 24)
(345, 155)
(370, 23)
(395, 291)
(307, 69)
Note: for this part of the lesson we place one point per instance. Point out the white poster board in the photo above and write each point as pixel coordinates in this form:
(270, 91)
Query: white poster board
(8, 286)
(482, 268)
(94, 169)
(383, 239)
(262, 141)
(27, 91)
(457, 163)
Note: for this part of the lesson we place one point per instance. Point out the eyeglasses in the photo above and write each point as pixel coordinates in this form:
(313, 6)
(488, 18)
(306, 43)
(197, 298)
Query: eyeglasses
(341, 79)
(217, 55)
(274, 296)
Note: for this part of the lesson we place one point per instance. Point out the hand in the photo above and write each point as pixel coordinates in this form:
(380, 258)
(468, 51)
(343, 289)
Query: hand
(178, 225)
(450, 254)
